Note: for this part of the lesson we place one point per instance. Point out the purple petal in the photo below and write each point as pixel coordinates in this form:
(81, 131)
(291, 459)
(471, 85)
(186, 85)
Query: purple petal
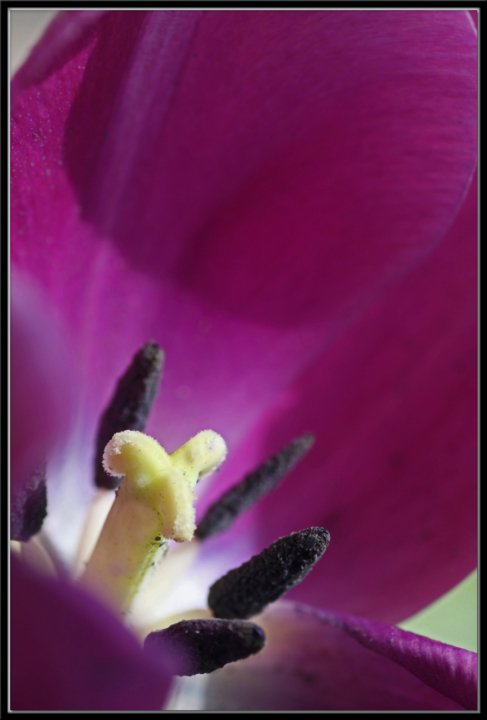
(321, 661)
(69, 653)
(41, 392)
(68, 33)
(392, 474)
(236, 186)
(450, 670)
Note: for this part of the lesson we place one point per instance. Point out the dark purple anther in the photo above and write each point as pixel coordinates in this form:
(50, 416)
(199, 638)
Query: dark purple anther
(202, 646)
(246, 590)
(255, 485)
(28, 507)
(130, 405)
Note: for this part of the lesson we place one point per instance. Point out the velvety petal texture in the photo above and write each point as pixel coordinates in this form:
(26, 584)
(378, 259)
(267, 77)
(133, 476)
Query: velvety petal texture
(67, 34)
(42, 396)
(69, 653)
(392, 474)
(322, 661)
(238, 212)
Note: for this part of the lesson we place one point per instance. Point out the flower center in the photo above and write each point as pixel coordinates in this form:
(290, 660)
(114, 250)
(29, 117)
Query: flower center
(154, 504)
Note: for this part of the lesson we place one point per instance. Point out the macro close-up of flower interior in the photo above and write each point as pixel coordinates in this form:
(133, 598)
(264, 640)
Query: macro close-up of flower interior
(243, 359)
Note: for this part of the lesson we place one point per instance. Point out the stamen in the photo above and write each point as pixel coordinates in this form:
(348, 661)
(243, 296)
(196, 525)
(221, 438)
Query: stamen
(203, 646)
(29, 507)
(129, 406)
(255, 485)
(153, 504)
(246, 590)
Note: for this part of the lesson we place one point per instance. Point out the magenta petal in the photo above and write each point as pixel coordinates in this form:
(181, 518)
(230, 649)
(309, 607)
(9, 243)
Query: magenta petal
(69, 653)
(321, 661)
(41, 392)
(450, 670)
(236, 185)
(392, 474)
(66, 35)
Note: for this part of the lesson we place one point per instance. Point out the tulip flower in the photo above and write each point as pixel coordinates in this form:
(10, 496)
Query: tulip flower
(286, 203)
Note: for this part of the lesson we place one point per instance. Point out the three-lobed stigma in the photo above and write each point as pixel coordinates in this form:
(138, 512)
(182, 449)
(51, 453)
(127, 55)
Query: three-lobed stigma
(154, 504)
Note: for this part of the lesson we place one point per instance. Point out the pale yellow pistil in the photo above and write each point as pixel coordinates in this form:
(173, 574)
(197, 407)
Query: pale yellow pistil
(153, 505)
